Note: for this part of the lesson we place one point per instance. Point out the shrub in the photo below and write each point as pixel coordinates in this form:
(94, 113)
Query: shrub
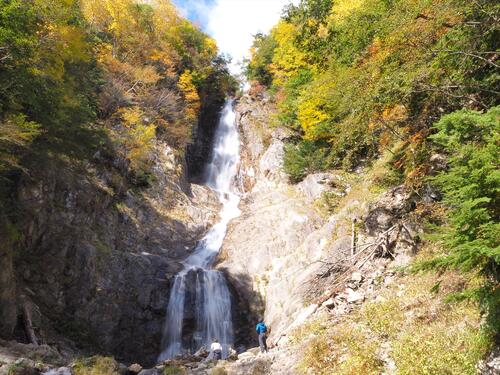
(16, 133)
(345, 350)
(262, 55)
(470, 190)
(96, 365)
(436, 349)
(303, 158)
(344, 73)
(219, 371)
(411, 323)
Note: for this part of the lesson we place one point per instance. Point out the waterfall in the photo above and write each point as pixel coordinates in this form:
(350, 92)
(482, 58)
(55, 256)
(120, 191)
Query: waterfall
(199, 294)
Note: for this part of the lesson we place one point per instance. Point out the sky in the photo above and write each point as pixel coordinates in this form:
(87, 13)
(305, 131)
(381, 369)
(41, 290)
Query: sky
(232, 23)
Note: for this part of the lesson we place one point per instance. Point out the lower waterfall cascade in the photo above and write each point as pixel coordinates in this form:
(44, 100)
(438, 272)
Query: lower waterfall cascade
(210, 295)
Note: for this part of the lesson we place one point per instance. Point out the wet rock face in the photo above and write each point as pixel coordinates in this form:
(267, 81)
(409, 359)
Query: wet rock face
(189, 322)
(200, 150)
(97, 259)
(246, 308)
(8, 314)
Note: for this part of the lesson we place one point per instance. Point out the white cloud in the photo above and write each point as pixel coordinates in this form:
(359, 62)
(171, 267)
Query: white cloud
(197, 11)
(234, 22)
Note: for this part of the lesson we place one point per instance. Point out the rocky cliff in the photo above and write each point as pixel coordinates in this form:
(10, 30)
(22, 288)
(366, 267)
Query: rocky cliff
(94, 257)
(286, 251)
(321, 261)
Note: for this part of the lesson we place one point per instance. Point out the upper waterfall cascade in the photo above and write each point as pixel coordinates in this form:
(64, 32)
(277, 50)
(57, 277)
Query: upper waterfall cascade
(198, 287)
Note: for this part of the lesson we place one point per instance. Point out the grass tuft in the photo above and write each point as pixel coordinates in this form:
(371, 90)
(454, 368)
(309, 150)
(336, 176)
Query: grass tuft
(96, 365)
(174, 370)
(412, 324)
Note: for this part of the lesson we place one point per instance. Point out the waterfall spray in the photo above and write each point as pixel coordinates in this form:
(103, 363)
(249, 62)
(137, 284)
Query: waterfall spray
(212, 302)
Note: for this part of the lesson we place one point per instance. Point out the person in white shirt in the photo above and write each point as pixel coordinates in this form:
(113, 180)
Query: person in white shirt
(216, 348)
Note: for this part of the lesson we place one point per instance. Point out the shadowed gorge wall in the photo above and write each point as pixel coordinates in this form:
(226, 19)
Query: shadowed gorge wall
(99, 211)
(98, 266)
(199, 152)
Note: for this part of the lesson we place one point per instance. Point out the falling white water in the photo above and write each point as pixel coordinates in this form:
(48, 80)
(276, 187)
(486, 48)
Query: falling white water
(198, 287)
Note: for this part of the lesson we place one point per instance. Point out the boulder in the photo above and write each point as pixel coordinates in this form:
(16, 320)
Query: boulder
(271, 163)
(430, 194)
(122, 369)
(303, 315)
(246, 356)
(388, 209)
(152, 371)
(58, 371)
(356, 277)
(202, 352)
(135, 368)
(315, 185)
(23, 366)
(233, 355)
(329, 303)
(490, 365)
(354, 296)
(438, 162)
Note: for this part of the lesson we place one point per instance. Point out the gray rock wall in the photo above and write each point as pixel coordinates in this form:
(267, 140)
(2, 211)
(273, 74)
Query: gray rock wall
(8, 311)
(268, 250)
(97, 254)
(276, 250)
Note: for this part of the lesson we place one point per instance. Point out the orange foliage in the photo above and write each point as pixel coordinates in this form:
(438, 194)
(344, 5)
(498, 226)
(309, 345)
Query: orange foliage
(256, 88)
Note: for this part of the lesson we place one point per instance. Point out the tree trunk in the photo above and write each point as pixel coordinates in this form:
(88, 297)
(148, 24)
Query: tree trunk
(28, 326)
(353, 238)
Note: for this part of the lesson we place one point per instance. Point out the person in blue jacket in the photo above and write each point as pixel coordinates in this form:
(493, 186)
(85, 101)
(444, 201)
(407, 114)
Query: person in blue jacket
(262, 330)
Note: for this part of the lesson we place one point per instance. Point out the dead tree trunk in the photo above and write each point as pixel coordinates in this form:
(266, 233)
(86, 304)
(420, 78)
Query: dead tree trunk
(353, 238)
(28, 325)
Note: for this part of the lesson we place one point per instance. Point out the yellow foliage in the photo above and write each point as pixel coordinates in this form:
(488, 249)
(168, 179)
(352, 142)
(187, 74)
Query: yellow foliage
(95, 12)
(62, 41)
(342, 9)
(190, 93)
(68, 45)
(287, 59)
(73, 44)
(165, 18)
(137, 138)
(132, 116)
(136, 32)
(139, 145)
(378, 52)
(146, 75)
(167, 57)
(210, 46)
(311, 110)
(310, 115)
(392, 114)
